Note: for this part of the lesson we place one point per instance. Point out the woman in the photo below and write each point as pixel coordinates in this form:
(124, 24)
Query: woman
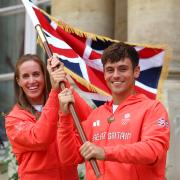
(31, 126)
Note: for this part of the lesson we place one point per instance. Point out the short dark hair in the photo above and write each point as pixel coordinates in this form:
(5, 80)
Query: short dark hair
(119, 51)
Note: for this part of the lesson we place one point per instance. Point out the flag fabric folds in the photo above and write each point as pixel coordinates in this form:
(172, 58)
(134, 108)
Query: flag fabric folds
(81, 54)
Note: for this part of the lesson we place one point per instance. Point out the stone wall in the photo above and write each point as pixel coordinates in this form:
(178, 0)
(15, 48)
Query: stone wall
(155, 22)
(95, 16)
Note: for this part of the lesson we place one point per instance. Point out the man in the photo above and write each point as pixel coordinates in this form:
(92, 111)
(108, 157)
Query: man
(129, 136)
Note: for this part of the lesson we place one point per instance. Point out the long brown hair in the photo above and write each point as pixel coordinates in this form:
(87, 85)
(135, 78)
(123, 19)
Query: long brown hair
(21, 98)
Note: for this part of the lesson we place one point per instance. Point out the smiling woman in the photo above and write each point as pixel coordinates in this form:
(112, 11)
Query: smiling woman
(32, 124)
(31, 82)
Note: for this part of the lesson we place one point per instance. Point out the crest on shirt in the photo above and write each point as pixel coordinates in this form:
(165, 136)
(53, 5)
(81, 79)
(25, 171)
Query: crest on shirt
(126, 118)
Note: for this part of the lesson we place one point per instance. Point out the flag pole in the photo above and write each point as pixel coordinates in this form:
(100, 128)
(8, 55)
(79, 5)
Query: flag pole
(62, 85)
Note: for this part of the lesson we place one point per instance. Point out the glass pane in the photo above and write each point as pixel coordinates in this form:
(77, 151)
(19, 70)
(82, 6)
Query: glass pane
(5, 3)
(7, 100)
(7, 96)
(12, 41)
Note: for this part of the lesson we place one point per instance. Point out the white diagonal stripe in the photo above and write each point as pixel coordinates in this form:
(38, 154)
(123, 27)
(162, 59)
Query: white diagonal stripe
(155, 61)
(147, 88)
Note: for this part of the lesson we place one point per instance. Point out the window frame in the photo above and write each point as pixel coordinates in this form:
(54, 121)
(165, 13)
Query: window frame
(30, 45)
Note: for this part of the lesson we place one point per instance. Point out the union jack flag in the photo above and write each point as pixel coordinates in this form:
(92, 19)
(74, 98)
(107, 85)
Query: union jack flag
(81, 54)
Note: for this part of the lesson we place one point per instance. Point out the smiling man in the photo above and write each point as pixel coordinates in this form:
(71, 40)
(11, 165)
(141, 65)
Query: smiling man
(129, 136)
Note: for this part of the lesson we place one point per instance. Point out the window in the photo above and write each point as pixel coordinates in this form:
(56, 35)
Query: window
(17, 37)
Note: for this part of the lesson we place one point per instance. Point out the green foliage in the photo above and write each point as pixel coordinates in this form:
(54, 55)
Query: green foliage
(11, 164)
(81, 176)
